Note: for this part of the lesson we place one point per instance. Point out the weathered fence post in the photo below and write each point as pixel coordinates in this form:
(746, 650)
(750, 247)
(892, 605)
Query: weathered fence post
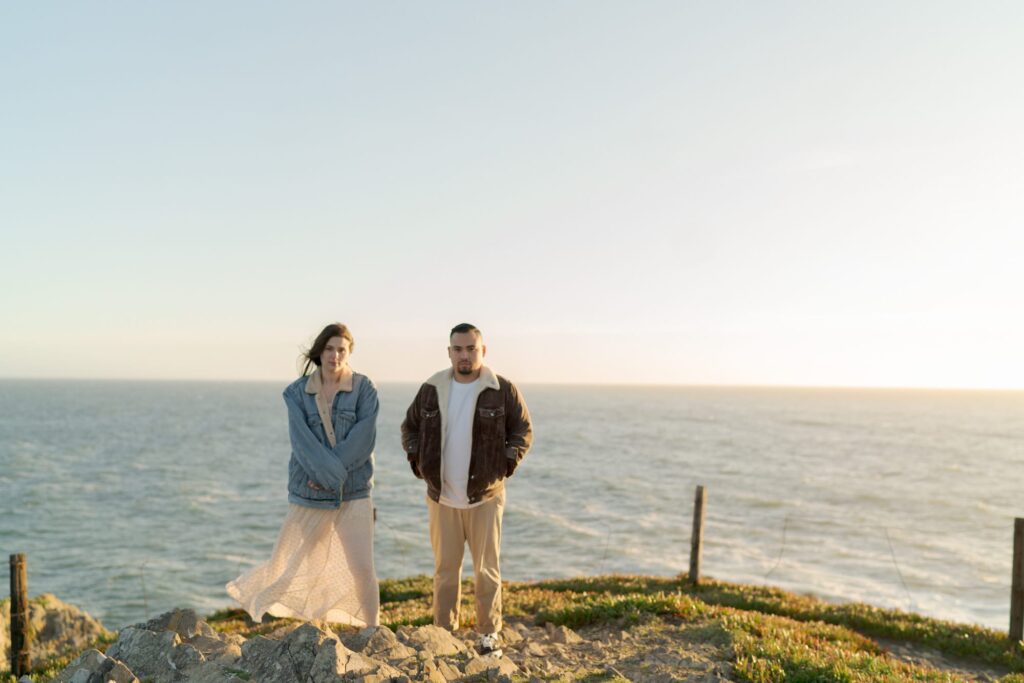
(697, 538)
(1017, 586)
(19, 617)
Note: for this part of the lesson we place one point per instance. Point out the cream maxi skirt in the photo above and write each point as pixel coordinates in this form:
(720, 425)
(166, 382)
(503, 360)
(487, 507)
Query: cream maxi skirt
(321, 569)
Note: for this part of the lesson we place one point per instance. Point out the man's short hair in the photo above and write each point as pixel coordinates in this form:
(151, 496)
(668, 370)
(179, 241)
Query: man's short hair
(465, 327)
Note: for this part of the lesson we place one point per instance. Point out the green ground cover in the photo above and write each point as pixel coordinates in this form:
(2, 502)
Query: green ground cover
(774, 635)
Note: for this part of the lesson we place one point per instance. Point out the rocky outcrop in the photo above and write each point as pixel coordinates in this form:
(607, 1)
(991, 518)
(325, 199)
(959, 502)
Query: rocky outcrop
(57, 628)
(92, 666)
(179, 646)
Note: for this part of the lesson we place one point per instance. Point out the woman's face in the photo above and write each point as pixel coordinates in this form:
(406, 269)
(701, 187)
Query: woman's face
(335, 355)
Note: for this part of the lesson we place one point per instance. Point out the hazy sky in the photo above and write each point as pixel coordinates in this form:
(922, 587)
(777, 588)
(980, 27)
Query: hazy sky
(671, 192)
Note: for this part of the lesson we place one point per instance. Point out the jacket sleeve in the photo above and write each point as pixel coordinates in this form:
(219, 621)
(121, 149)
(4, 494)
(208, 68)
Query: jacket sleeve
(357, 446)
(518, 428)
(411, 431)
(320, 462)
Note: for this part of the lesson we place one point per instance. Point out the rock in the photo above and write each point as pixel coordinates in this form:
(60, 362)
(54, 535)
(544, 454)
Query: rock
(431, 673)
(92, 666)
(493, 666)
(565, 636)
(409, 666)
(435, 641)
(368, 678)
(335, 661)
(160, 657)
(357, 640)
(382, 643)
(213, 672)
(511, 636)
(449, 671)
(534, 649)
(480, 665)
(177, 646)
(259, 654)
(119, 673)
(288, 660)
(310, 654)
(225, 650)
(185, 622)
(59, 628)
(280, 632)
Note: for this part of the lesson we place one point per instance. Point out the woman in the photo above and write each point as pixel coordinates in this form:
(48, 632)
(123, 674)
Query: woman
(322, 564)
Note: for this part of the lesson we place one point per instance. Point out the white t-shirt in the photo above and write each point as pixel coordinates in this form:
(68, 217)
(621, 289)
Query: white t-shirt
(458, 444)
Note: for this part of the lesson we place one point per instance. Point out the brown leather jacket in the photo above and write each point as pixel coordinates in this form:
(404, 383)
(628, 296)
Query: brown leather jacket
(502, 434)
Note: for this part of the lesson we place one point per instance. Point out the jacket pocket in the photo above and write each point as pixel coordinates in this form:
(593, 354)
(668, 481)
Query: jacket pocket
(343, 421)
(491, 413)
(489, 441)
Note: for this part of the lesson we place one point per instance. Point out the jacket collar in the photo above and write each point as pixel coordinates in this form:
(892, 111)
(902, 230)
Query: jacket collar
(444, 378)
(442, 381)
(315, 382)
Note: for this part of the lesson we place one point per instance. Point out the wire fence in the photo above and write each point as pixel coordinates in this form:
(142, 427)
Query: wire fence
(882, 531)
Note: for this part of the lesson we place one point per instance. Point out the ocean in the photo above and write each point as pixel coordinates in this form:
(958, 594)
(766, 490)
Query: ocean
(130, 498)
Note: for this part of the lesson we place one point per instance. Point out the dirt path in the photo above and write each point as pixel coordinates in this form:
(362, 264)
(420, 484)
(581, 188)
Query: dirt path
(655, 651)
(923, 656)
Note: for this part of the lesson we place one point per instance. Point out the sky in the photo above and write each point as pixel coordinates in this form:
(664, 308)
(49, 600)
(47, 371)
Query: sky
(784, 193)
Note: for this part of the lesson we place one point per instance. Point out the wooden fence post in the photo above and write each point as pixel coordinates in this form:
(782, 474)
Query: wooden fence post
(697, 538)
(1017, 586)
(19, 617)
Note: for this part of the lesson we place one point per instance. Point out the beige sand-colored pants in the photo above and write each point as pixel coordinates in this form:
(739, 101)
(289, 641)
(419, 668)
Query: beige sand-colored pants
(450, 529)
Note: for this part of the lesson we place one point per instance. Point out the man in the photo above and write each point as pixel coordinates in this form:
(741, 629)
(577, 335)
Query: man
(465, 433)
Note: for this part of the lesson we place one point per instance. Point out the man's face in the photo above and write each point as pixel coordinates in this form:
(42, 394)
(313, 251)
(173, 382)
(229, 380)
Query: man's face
(466, 353)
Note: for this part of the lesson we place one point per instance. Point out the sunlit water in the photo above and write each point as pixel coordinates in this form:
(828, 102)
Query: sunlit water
(133, 497)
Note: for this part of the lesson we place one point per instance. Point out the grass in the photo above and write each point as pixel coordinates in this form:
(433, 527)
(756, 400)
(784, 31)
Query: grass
(769, 648)
(950, 638)
(774, 635)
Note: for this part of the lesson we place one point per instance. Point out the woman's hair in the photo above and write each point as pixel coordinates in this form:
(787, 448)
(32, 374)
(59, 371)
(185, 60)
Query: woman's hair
(312, 356)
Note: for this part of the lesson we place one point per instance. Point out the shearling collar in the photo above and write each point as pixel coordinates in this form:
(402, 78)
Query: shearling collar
(488, 380)
(442, 381)
(316, 382)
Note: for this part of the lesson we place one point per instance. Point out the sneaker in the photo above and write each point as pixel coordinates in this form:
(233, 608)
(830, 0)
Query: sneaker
(490, 645)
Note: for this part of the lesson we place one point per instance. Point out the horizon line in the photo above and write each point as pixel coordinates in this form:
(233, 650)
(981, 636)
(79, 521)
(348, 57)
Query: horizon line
(666, 385)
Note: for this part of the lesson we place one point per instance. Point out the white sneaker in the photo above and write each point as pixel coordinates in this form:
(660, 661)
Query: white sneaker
(490, 645)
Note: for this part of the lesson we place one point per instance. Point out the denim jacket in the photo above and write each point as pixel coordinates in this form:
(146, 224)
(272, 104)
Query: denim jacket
(344, 472)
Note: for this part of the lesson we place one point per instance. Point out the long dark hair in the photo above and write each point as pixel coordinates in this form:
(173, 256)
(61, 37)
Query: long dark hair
(312, 356)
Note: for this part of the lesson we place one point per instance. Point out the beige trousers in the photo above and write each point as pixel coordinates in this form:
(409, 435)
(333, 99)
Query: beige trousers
(450, 530)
